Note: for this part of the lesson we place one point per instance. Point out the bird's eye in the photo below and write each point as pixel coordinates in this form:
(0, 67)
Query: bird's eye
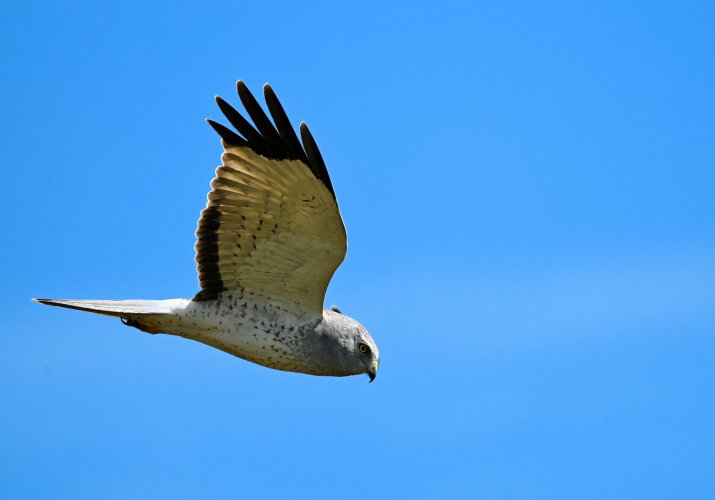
(363, 348)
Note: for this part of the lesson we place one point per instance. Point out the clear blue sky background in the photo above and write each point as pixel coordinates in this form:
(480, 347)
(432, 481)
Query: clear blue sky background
(529, 192)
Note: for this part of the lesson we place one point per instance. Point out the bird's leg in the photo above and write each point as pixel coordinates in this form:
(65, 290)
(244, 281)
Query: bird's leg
(139, 326)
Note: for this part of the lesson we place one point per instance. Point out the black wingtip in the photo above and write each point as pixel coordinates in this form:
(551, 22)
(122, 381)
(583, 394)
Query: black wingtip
(254, 139)
(274, 143)
(285, 129)
(317, 165)
(274, 139)
(219, 100)
(228, 135)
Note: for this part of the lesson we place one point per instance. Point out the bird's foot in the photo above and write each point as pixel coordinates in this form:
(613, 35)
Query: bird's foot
(139, 326)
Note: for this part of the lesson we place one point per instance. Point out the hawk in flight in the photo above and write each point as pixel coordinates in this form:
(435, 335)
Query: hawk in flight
(268, 242)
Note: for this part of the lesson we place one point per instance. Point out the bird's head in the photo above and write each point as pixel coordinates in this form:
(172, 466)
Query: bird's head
(352, 346)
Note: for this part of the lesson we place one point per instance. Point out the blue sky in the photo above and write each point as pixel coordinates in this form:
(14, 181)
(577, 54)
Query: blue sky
(529, 194)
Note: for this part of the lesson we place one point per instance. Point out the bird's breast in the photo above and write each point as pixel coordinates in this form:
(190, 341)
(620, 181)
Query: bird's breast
(253, 329)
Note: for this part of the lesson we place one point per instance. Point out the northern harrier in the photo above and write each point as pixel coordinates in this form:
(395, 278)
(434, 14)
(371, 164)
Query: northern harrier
(268, 242)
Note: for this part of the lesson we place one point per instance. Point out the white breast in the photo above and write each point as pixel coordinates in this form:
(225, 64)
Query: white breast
(254, 329)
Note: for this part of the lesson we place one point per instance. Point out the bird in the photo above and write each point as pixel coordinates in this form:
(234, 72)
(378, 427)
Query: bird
(267, 245)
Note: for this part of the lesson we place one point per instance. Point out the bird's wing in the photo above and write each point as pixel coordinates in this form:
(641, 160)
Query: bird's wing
(271, 226)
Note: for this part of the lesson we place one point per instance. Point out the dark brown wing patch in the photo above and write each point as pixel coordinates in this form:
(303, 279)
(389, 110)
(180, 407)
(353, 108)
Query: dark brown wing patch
(207, 254)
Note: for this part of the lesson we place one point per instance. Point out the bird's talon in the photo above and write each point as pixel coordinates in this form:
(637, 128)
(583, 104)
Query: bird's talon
(138, 326)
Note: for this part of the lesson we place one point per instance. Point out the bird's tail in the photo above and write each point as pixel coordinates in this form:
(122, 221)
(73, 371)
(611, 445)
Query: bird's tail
(143, 314)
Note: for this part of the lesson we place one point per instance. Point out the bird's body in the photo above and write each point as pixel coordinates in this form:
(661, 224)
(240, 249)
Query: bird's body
(269, 241)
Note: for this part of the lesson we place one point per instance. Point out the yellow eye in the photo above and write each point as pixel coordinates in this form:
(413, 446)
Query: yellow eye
(363, 348)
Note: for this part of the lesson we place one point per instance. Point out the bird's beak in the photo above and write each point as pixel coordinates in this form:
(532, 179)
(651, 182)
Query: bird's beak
(372, 372)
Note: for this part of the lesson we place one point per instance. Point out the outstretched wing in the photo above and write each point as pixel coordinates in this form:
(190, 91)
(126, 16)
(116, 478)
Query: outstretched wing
(271, 226)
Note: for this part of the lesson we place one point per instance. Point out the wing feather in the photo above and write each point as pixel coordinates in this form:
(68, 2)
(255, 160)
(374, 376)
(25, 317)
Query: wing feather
(315, 159)
(285, 129)
(227, 134)
(271, 226)
(276, 146)
(258, 143)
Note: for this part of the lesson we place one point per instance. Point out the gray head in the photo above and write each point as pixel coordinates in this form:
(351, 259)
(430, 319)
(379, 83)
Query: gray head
(347, 348)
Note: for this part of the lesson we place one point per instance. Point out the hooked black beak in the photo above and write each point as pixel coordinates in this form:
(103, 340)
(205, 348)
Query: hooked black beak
(372, 371)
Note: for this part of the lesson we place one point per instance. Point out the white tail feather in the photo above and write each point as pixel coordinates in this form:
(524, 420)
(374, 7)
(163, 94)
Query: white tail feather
(152, 316)
(119, 308)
